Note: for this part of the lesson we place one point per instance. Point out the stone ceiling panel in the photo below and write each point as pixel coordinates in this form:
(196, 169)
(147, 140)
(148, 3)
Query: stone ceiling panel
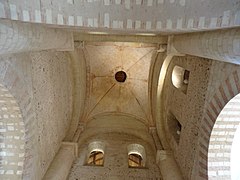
(105, 93)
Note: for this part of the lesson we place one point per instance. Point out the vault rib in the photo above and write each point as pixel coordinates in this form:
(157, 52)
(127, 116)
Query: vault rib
(141, 58)
(100, 99)
(139, 104)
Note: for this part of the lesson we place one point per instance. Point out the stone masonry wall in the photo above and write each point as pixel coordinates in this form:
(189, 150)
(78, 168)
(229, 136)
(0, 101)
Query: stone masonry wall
(211, 85)
(52, 93)
(187, 108)
(115, 160)
(41, 84)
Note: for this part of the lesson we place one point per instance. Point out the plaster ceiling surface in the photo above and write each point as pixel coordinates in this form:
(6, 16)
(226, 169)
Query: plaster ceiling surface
(107, 95)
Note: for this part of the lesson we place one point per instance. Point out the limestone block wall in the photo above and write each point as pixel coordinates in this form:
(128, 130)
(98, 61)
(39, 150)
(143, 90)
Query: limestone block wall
(41, 84)
(52, 96)
(187, 109)
(127, 15)
(115, 160)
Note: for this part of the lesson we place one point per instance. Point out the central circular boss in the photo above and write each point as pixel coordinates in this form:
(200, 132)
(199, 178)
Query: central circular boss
(120, 76)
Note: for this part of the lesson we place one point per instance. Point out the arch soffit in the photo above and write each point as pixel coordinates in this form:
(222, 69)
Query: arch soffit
(212, 111)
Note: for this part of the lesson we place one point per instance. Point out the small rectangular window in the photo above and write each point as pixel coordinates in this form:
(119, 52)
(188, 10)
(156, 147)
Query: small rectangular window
(175, 127)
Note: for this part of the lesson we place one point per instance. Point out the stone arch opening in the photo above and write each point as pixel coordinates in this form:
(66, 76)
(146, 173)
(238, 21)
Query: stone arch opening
(221, 146)
(12, 143)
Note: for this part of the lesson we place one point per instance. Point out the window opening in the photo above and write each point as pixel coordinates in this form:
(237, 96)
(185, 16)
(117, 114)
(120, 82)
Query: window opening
(95, 153)
(175, 127)
(135, 160)
(136, 155)
(95, 158)
(180, 78)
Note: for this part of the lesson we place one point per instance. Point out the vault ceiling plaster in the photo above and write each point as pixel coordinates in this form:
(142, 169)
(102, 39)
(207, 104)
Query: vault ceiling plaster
(105, 94)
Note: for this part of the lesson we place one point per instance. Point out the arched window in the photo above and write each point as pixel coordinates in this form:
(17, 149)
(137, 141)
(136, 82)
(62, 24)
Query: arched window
(136, 155)
(95, 158)
(180, 78)
(95, 153)
(135, 160)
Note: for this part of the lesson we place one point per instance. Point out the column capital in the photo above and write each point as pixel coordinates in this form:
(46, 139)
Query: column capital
(163, 155)
(171, 50)
(72, 145)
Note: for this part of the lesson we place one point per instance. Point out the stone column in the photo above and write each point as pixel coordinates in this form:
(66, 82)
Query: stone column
(23, 37)
(168, 166)
(61, 164)
(222, 45)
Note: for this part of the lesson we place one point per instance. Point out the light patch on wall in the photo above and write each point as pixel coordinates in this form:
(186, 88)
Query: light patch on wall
(213, 22)
(179, 23)
(71, 20)
(138, 2)
(49, 16)
(225, 18)
(236, 46)
(79, 21)
(127, 4)
(2, 10)
(38, 17)
(159, 25)
(190, 23)
(90, 22)
(145, 34)
(137, 24)
(148, 25)
(120, 24)
(70, 1)
(201, 22)
(129, 24)
(13, 11)
(160, 1)
(97, 33)
(95, 22)
(150, 3)
(182, 2)
(106, 20)
(60, 19)
(237, 18)
(106, 2)
(169, 24)
(117, 1)
(117, 24)
(26, 15)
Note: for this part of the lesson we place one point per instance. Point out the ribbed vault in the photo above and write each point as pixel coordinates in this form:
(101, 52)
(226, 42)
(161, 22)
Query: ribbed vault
(107, 95)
